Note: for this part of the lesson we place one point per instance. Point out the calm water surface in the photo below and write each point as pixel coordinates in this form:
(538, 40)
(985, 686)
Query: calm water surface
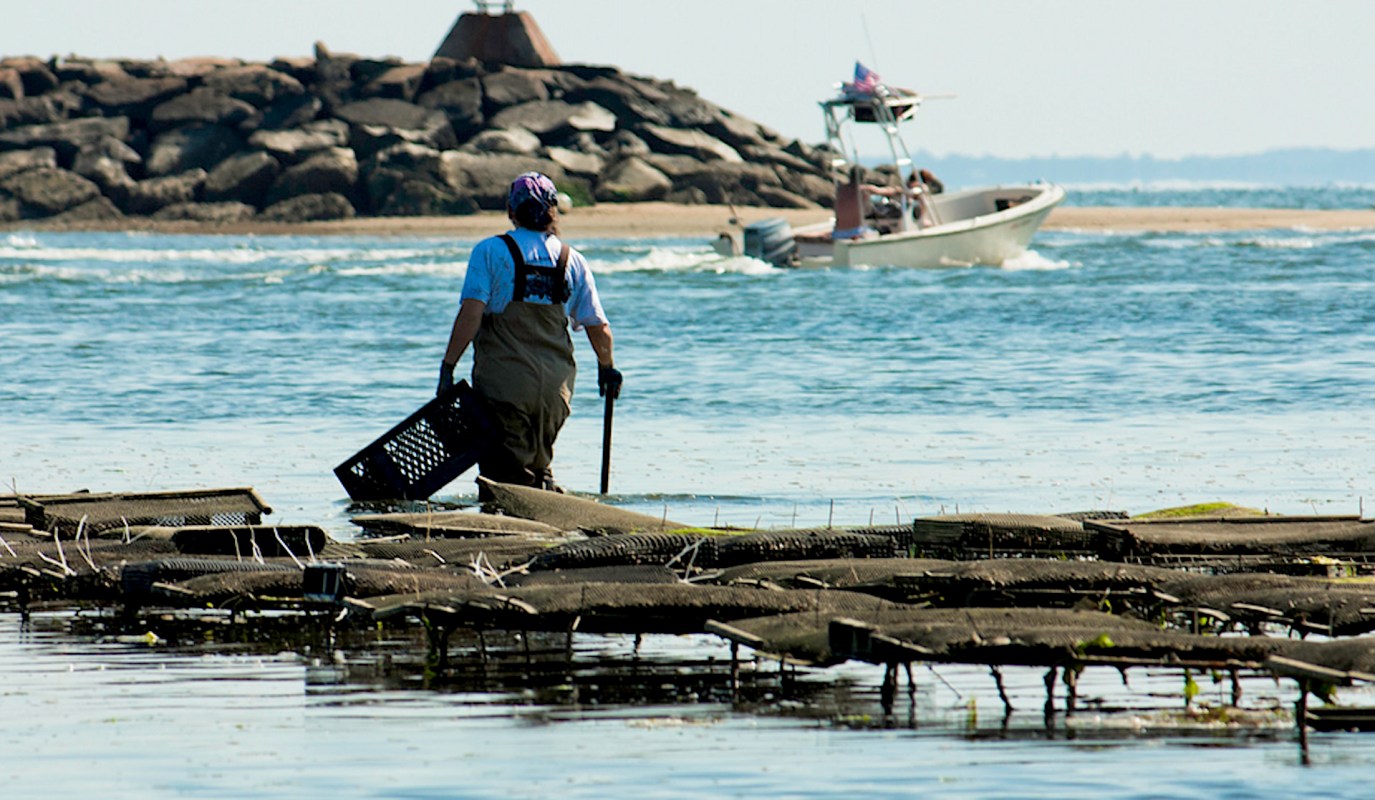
(1119, 371)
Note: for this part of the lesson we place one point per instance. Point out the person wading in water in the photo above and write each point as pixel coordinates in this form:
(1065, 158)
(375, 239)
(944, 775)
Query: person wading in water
(520, 292)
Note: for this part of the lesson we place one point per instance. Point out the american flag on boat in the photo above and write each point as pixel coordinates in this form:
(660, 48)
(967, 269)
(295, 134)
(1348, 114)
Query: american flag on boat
(866, 81)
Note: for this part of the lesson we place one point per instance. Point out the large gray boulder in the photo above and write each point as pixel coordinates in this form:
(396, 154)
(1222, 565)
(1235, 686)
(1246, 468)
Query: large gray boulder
(292, 111)
(576, 162)
(778, 197)
(655, 91)
(426, 124)
(148, 196)
(401, 82)
(87, 72)
(200, 105)
(107, 172)
(737, 132)
(256, 84)
(460, 101)
(818, 157)
(407, 180)
(242, 178)
(97, 209)
(772, 154)
(191, 147)
(511, 87)
(487, 178)
(302, 68)
(591, 118)
(133, 97)
(107, 162)
(624, 144)
(46, 191)
(213, 213)
(408, 157)
(309, 208)
(684, 107)
(816, 188)
(11, 84)
(29, 111)
(501, 140)
(196, 67)
(677, 167)
(627, 103)
(748, 184)
(17, 161)
(36, 77)
(688, 142)
(397, 194)
(295, 146)
(10, 208)
(581, 142)
(443, 70)
(333, 78)
(386, 112)
(366, 70)
(631, 180)
(368, 140)
(67, 137)
(687, 196)
(113, 148)
(333, 171)
(546, 118)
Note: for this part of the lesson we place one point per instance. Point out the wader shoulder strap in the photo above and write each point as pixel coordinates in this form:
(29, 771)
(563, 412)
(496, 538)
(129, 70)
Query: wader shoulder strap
(551, 282)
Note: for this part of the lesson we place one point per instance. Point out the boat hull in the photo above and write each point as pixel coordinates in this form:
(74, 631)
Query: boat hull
(974, 230)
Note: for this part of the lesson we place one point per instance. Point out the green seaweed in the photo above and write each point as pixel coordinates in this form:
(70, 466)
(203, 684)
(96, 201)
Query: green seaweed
(1218, 509)
(1100, 642)
(706, 532)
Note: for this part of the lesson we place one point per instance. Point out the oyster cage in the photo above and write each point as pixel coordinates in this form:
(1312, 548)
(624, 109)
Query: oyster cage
(424, 452)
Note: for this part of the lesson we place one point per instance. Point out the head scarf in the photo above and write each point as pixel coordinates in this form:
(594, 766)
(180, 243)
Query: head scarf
(532, 186)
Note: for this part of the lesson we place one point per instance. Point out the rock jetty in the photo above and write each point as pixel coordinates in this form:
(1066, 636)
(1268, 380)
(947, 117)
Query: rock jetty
(340, 135)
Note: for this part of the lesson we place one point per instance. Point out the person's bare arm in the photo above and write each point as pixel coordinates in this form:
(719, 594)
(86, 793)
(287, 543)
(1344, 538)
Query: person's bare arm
(599, 336)
(466, 323)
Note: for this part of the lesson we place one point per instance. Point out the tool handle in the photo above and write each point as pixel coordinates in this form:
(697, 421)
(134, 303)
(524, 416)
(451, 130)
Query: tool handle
(606, 441)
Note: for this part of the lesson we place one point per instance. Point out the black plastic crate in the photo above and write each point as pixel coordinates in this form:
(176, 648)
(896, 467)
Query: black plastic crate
(424, 452)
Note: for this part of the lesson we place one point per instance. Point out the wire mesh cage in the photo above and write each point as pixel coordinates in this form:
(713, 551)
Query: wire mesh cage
(66, 515)
(424, 452)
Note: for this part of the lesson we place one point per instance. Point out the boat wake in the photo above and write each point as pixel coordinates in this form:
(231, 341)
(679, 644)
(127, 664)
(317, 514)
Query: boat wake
(671, 259)
(1032, 260)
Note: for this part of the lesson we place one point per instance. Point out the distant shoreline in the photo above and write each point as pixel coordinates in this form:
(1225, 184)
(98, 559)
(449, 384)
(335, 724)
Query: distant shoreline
(645, 220)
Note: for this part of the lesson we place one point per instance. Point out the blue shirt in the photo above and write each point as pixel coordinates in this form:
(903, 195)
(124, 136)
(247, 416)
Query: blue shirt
(491, 276)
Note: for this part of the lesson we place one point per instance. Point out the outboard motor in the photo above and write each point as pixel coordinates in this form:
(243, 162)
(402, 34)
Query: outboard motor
(771, 240)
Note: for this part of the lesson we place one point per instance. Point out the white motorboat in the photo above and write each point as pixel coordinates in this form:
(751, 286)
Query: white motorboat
(896, 226)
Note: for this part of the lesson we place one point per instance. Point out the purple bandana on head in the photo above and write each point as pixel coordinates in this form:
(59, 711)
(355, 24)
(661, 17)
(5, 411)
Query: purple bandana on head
(532, 186)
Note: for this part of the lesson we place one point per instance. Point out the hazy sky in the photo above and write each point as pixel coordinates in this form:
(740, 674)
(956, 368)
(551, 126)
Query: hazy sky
(1168, 78)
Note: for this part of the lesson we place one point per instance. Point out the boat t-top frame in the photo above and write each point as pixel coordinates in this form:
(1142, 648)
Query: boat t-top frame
(885, 107)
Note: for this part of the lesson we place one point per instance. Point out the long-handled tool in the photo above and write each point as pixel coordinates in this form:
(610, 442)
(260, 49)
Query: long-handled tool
(606, 441)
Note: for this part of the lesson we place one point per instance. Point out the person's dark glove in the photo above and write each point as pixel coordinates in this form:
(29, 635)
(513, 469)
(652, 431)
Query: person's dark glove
(446, 378)
(609, 382)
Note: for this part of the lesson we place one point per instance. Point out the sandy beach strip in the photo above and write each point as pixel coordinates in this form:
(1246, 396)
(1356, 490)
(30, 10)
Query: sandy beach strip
(640, 220)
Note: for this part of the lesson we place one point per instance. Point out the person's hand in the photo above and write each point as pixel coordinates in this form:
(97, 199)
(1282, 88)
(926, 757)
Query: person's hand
(609, 382)
(446, 378)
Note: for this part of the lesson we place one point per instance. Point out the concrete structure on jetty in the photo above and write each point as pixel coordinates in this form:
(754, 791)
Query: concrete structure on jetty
(511, 37)
(339, 135)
